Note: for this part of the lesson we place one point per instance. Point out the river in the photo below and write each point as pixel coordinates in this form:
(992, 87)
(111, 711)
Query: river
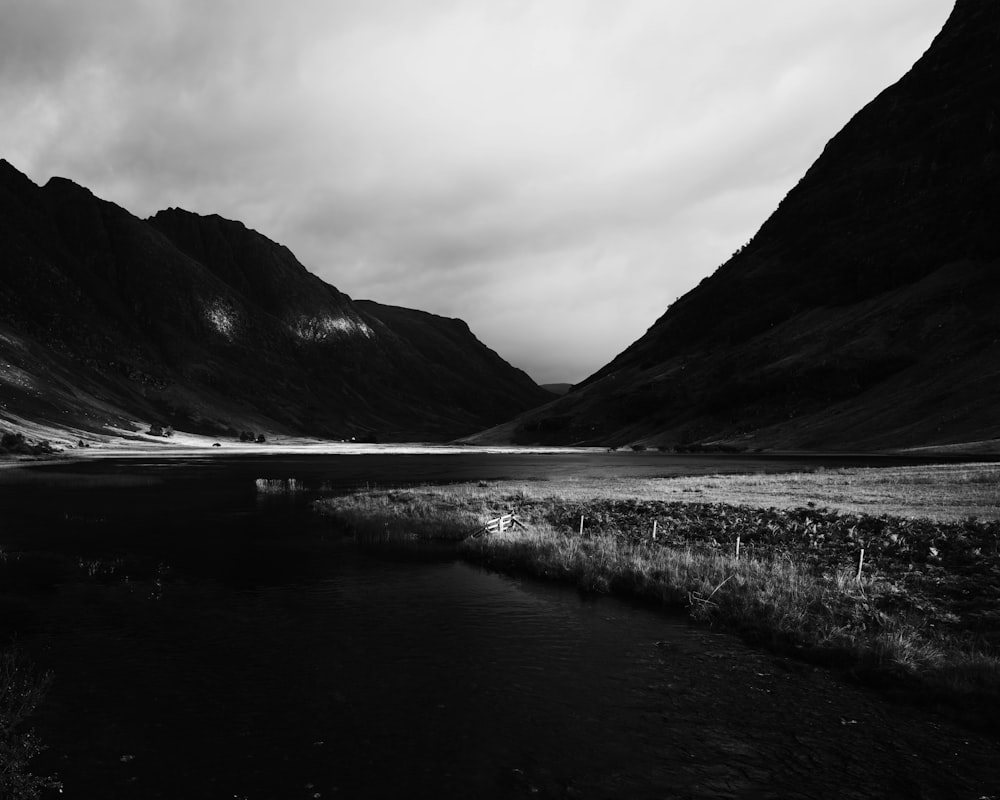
(206, 642)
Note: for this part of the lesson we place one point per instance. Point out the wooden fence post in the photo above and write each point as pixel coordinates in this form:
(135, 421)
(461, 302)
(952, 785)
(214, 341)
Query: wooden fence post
(581, 524)
(861, 563)
(654, 530)
(737, 547)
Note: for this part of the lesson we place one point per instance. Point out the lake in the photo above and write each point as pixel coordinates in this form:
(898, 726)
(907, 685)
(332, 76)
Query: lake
(209, 642)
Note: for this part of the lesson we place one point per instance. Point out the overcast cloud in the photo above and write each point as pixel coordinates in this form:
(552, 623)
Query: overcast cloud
(555, 172)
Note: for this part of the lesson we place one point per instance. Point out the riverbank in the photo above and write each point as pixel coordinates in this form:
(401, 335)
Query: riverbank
(919, 612)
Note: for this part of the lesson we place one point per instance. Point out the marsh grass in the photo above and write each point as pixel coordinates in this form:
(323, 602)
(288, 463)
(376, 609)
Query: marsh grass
(939, 492)
(924, 615)
(394, 516)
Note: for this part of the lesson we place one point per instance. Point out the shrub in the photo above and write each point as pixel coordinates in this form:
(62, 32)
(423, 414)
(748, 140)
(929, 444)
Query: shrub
(15, 443)
(21, 690)
(260, 439)
(12, 442)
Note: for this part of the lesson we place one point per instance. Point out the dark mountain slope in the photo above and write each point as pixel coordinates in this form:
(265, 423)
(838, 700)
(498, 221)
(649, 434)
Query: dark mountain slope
(204, 324)
(454, 365)
(863, 313)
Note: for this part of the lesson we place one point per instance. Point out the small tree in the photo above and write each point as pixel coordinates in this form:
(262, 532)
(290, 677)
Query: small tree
(260, 438)
(155, 429)
(12, 441)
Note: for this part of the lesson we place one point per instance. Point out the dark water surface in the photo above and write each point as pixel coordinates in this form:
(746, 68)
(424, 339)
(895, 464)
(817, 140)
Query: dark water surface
(209, 643)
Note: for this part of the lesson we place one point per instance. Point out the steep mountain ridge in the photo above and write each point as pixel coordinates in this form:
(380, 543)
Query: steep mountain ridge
(481, 384)
(862, 313)
(205, 324)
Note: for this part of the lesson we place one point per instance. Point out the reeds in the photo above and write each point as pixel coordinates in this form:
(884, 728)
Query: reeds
(771, 598)
(278, 486)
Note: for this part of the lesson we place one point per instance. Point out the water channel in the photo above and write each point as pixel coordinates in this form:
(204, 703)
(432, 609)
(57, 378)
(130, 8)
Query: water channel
(209, 643)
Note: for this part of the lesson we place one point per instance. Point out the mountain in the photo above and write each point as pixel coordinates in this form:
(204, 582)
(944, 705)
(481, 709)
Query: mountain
(557, 388)
(863, 313)
(202, 324)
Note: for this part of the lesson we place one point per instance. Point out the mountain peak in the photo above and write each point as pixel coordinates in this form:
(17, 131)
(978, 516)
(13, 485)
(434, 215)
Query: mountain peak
(204, 324)
(862, 308)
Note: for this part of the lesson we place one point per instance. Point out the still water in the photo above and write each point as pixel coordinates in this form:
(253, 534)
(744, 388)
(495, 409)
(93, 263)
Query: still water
(209, 643)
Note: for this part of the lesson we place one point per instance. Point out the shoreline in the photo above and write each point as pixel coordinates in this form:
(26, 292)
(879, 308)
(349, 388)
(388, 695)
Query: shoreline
(192, 445)
(136, 441)
(923, 620)
(290, 446)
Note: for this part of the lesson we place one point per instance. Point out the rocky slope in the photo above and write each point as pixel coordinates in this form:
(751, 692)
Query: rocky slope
(863, 312)
(202, 324)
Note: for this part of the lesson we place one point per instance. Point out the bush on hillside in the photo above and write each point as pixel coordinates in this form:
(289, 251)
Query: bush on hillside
(16, 444)
(156, 429)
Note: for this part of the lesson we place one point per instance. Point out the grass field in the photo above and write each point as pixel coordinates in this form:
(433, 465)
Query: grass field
(942, 492)
(924, 613)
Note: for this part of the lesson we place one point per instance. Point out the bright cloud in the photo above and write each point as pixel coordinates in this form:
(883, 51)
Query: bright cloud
(555, 172)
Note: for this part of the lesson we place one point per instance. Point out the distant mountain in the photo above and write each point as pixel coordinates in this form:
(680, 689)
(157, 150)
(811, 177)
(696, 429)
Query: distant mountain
(463, 373)
(863, 314)
(557, 388)
(203, 324)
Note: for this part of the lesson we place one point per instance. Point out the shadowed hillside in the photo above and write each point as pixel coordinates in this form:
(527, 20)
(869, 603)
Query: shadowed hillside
(205, 325)
(863, 312)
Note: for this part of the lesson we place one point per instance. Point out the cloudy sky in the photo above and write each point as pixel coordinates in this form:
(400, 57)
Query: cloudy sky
(555, 172)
